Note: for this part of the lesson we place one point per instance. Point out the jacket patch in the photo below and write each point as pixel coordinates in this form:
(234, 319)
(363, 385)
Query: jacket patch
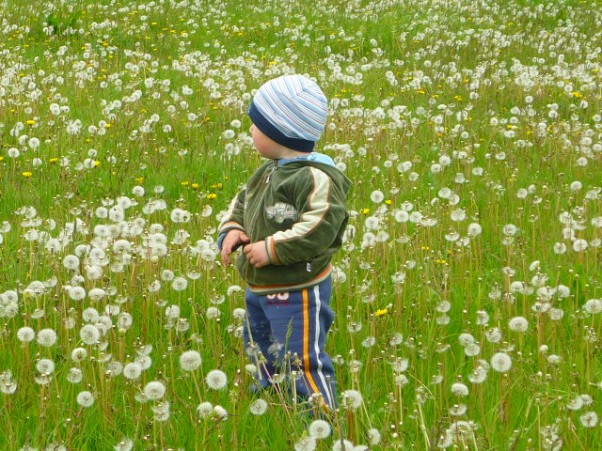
(281, 211)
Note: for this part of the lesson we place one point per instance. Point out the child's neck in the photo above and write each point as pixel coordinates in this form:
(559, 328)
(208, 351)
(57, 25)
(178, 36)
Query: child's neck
(287, 154)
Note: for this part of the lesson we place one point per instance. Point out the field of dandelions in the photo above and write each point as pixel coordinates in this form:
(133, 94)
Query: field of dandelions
(468, 292)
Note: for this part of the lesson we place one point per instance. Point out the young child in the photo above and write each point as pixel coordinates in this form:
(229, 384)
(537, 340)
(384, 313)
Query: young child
(290, 220)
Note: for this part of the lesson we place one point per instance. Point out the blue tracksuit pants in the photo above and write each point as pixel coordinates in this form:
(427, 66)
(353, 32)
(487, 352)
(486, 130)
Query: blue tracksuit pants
(290, 330)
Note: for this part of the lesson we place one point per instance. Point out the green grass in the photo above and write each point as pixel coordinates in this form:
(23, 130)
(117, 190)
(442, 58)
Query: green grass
(496, 103)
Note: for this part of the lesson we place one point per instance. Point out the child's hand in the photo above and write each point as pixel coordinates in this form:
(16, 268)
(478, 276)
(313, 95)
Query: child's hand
(234, 238)
(257, 254)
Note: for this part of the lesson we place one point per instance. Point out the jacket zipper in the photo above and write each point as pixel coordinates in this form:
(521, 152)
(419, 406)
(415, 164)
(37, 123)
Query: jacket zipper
(272, 169)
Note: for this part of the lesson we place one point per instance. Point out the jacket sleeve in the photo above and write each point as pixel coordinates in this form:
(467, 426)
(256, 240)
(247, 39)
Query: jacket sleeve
(322, 209)
(233, 219)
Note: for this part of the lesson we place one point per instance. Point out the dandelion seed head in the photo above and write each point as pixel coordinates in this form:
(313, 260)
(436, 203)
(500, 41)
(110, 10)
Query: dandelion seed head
(46, 337)
(465, 339)
(96, 294)
(154, 390)
(179, 284)
(190, 360)
(482, 318)
(258, 407)
(474, 229)
(75, 375)
(460, 389)
(342, 445)
(518, 324)
(125, 445)
(132, 370)
(493, 335)
(319, 429)
(26, 334)
(89, 334)
(220, 412)
(306, 443)
(472, 350)
(71, 262)
(576, 403)
(458, 410)
(589, 419)
(216, 379)
(85, 398)
(204, 409)
(554, 359)
(213, 312)
(79, 354)
(501, 362)
(144, 361)
(45, 366)
(377, 196)
(580, 245)
(352, 399)
(374, 436)
(593, 306)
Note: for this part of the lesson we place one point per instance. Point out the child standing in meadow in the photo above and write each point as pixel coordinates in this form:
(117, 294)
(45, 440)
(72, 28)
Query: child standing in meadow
(289, 220)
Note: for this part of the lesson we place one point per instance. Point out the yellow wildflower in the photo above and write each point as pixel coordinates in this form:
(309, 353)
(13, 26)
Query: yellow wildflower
(381, 312)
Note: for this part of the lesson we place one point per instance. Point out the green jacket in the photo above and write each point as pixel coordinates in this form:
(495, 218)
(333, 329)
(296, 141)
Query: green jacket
(299, 207)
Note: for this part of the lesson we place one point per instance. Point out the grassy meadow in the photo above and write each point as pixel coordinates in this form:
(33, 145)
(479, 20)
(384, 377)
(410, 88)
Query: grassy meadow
(468, 293)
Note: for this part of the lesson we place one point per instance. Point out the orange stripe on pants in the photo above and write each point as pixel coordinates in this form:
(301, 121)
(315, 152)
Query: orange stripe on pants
(306, 361)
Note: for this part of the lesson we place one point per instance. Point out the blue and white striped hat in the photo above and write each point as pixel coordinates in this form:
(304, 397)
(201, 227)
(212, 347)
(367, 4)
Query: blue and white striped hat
(290, 110)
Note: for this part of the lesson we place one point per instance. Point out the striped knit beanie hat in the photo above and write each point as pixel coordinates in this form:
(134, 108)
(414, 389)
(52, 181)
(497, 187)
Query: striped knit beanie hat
(290, 110)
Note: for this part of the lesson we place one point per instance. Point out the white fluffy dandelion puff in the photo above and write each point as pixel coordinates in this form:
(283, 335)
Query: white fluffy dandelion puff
(76, 293)
(352, 399)
(501, 362)
(89, 334)
(319, 429)
(127, 444)
(306, 444)
(26, 334)
(342, 445)
(374, 437)
(518, 324)
(45, 366)
(179, 283)
(216, 379)
(75, 375)
(71, 262)
(132, 370)
(220, 412)
(377, 196)
(589, 419)
(459, 389)
(258, 407)
(204, 409)
(190, 360)
(46, 337)
(154, 390)
(593, 306)
(85, 398)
